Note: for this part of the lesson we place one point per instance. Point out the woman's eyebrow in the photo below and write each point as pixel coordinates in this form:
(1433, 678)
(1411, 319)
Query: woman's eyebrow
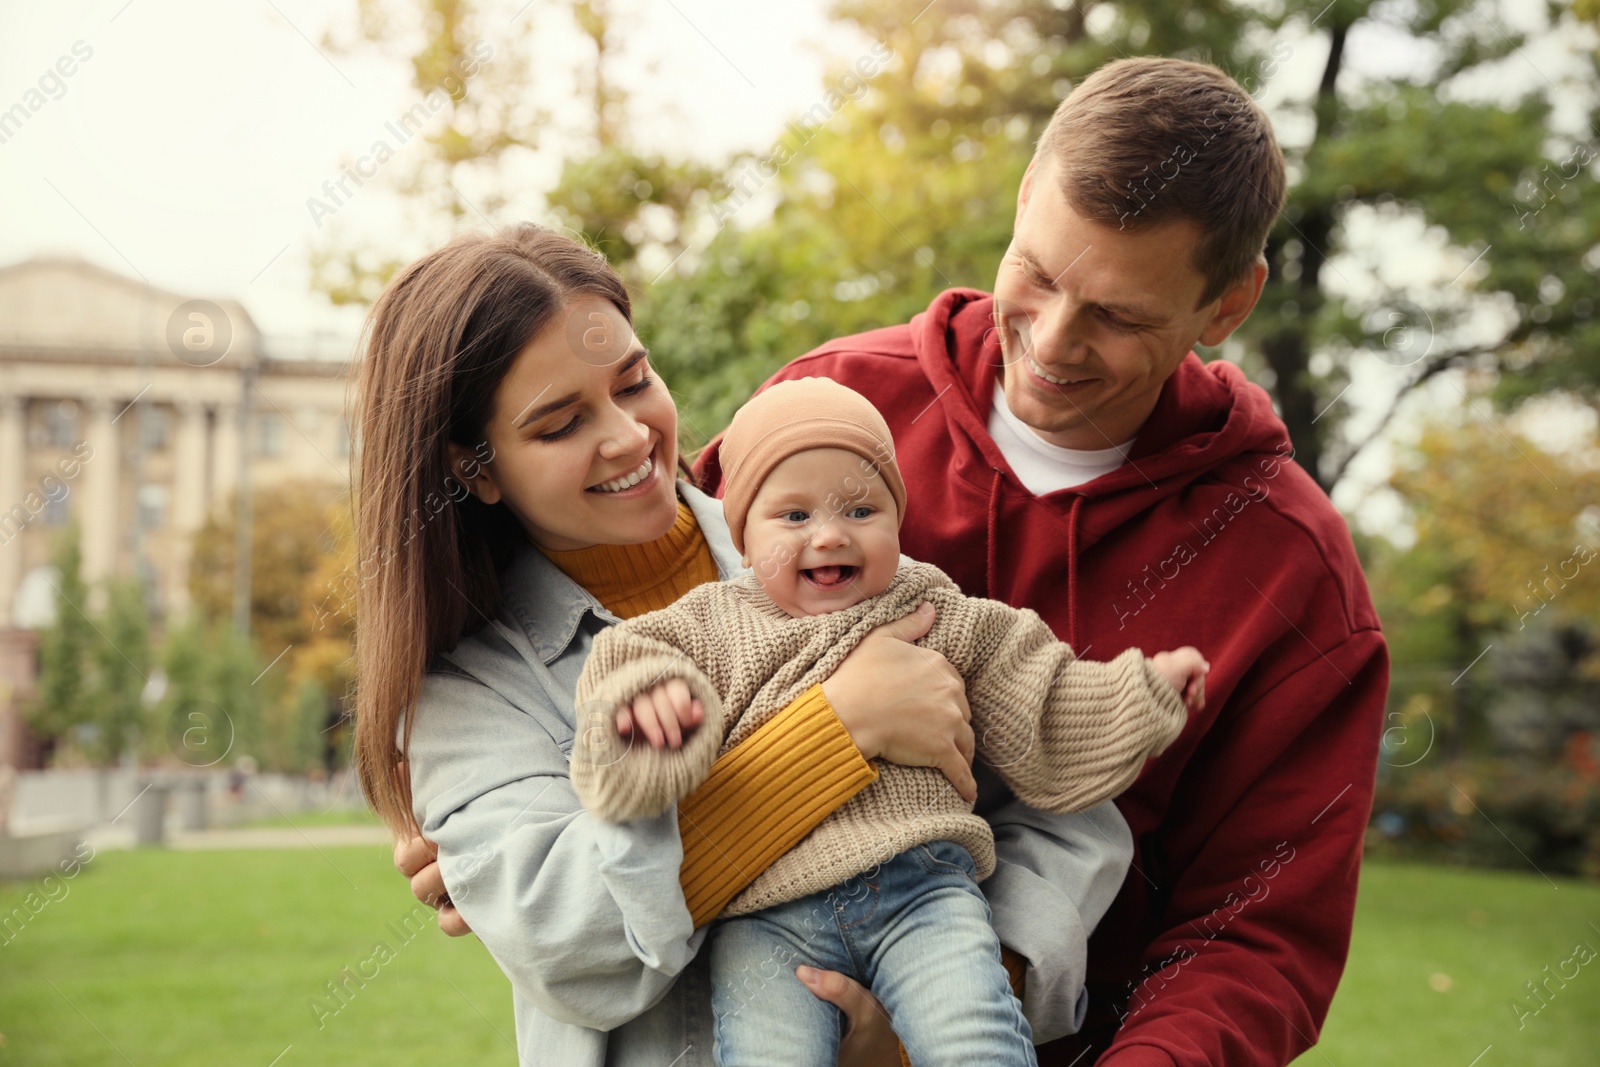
(533, 414)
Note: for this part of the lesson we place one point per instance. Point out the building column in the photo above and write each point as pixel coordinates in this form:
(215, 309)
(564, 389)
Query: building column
(100, 521)
(12, 442)
(225, 444)
(188, 497)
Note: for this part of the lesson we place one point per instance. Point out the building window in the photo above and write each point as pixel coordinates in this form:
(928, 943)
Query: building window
(57, 426)
(154, 428)
(270, 429)
(152, 507)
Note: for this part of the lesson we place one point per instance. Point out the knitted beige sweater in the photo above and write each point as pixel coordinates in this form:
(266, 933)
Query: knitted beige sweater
(1064, 733)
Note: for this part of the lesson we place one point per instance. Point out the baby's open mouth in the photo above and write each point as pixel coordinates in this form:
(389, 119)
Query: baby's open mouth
(830, 577)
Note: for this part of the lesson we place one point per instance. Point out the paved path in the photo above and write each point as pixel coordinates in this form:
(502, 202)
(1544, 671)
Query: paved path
(273, 837)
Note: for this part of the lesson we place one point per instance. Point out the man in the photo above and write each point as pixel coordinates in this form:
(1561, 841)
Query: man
(1065, 451)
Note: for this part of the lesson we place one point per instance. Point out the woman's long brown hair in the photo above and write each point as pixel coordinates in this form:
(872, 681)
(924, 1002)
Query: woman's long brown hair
(439, 340)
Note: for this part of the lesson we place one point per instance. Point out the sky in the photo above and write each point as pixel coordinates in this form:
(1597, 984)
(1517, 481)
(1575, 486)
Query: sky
(187, 140)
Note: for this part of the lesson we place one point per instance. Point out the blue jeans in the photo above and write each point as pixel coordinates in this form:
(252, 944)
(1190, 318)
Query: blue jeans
(915, 930)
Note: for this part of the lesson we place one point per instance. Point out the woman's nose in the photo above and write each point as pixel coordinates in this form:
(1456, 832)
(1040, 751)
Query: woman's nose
(625, 436)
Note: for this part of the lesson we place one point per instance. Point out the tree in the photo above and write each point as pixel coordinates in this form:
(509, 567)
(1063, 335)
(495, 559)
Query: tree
(484, 92)
(122, 662)
(65, 695)
(901, 180)
(1506, 554)
(290, 537)
(92, 670)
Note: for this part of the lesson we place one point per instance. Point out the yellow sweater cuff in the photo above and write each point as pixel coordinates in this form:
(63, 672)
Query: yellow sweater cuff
(763, 797)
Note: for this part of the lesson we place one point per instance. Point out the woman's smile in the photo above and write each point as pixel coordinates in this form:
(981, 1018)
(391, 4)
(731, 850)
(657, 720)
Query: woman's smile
(636, 482)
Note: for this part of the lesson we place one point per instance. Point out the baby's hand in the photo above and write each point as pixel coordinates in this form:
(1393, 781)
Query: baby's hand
(664, 713)
(1185, 670)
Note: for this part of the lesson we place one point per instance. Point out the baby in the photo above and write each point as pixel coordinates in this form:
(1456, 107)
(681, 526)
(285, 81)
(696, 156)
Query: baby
(886, 887)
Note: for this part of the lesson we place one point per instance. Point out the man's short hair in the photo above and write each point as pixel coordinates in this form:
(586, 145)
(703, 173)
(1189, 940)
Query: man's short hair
(1146, 141)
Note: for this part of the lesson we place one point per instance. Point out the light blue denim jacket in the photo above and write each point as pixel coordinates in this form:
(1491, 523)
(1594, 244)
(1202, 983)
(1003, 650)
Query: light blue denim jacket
(587, 918)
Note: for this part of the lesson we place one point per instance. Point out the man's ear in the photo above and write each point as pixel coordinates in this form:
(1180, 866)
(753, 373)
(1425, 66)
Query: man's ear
(474, 474)
(1235, 305)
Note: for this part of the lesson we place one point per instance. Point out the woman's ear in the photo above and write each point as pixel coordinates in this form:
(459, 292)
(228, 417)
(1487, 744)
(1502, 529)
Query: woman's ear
(474, 474)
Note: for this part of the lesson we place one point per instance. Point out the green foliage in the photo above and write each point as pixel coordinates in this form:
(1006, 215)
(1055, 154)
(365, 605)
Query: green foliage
(466, 66)
(223, 702)
(296, 730)
(232, 669)
(1507, 548)
(122, 669)
(901, 180)
(65, 699)
(290, 537)
(92, 671)
(1496, 813)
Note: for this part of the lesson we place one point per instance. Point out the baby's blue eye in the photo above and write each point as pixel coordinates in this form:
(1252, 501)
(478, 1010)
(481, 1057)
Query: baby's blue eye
(863, 509)
(795, 516)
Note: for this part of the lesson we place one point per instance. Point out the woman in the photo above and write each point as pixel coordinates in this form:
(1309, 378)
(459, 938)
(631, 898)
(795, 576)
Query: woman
(516, 492)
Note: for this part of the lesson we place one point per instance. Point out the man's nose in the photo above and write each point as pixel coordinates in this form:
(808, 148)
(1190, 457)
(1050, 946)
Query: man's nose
(1058, 334)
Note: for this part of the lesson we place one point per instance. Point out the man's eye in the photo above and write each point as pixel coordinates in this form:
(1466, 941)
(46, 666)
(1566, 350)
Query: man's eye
(1119, 324)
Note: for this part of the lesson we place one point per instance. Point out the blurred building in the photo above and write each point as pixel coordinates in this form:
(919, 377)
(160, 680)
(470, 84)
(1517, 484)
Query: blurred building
(138, 413)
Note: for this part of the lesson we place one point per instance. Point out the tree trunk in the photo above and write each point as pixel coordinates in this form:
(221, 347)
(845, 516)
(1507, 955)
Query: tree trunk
(1288, 350)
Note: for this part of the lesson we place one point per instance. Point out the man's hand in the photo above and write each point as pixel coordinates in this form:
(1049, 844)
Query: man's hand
(665, 714)
(921, 719)
(1185, 670)
(868, 1040)
(418, 859)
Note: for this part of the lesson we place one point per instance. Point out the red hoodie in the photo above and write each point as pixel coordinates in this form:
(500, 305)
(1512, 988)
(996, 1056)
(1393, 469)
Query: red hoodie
(1229, 935)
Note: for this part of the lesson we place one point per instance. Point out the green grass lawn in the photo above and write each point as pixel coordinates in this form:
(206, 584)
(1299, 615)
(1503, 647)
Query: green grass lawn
(1438, 958)
(166, 959)
(205, 958)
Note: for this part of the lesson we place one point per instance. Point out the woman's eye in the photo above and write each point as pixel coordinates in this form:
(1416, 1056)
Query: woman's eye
(565, 431)
(640, 386)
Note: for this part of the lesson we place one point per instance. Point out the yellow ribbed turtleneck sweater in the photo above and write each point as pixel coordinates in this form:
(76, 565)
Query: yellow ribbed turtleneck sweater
(633, 579)
(764, 796)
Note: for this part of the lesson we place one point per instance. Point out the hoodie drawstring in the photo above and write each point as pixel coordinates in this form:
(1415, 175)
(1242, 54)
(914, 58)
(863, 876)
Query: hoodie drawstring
(989, 578)
(1072, 573)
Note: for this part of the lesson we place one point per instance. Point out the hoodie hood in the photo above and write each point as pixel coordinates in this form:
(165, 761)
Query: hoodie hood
(1208, 415)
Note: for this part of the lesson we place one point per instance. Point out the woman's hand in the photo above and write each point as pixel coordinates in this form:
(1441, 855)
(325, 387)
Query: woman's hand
(868, 1040)
(904, 703)
(418, 859)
